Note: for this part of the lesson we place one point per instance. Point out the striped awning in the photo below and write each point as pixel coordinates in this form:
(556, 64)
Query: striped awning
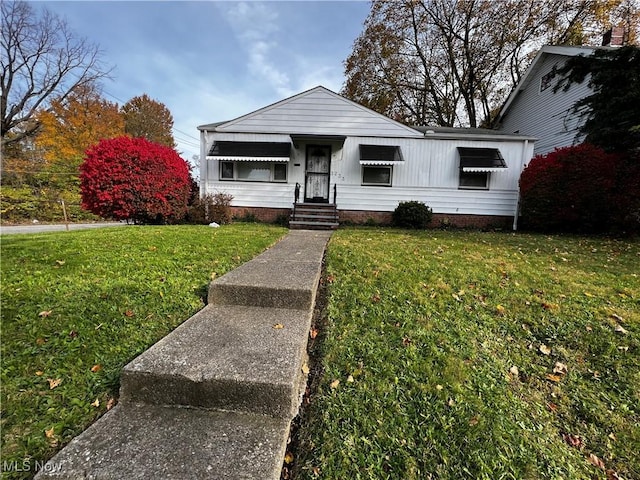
(480, 160)
(250, 151)
(380, 155)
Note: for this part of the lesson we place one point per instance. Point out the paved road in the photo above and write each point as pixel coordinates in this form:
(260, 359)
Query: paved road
(38, 228)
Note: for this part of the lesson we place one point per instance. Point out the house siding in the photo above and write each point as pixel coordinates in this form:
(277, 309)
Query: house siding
(318, 112)
(546, 115)
(429, 174)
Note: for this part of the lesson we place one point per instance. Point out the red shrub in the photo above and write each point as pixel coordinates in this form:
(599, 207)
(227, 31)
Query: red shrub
(571, 189)
(133, 179)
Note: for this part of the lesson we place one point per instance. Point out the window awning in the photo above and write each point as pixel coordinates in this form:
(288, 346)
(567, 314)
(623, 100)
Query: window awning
(481, 160)
(380, 155)
(250, 151)
(299, 138)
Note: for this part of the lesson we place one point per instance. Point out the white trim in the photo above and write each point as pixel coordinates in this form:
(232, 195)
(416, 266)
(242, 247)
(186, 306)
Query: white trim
(381, 162)
(483, 169)
(248, 159)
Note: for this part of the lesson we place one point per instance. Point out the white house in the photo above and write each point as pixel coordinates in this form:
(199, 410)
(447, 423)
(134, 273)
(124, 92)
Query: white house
(331, 151)
(533, 108)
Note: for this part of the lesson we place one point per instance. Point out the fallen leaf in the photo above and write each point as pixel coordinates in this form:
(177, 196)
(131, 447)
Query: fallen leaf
(587, 294)
(560, 368)
(612, 436)
(572, 440)
(313, 333)
(153, 249)
(213, 275)
(331, 278)
(612, 475)
(553, 378)
(45, 313)
(552, 407)
(111, 403)
(316, 471)
(39, 373)
(500, 309)
(54, 383)
(288, 458)
(439, 387)
(617, 317)
(335, 384)
(60, 262)
(623, 348)
(96, 368)
(305, 368)
(514, 371)
(451, 402)
(375, 298)
(350, 379)
(40, 341)
(73, 334)
(588, 328)
(96, 403)
(620, 329)
(129, 313)
(278, 326)
(544, 349)
(406, 341)
(49, 433)
(595, 461)
(474, 421)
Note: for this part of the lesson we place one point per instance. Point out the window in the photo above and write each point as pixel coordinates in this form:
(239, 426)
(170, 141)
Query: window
(474, 180)
(476, 166)
(253, 171)
(378, 175)
(545, 81)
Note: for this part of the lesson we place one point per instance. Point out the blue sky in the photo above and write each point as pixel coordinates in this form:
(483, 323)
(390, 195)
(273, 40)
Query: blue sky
(210, 61)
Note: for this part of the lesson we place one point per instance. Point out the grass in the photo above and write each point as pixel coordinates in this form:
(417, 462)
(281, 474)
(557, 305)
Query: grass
(439, 351)
(76, 307)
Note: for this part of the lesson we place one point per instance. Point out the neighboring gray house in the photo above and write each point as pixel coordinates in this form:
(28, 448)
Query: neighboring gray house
(534, 109)
(318, 148)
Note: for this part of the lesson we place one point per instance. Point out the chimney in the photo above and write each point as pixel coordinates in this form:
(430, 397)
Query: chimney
(613, 37)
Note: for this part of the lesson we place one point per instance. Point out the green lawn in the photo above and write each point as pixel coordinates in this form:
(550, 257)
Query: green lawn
(456, 355)
(76, 307)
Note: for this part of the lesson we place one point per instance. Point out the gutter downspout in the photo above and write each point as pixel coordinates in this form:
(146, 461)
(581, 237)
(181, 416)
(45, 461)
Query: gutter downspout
(525, 147)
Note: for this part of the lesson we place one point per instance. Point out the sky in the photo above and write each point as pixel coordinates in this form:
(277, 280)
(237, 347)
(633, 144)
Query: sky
(211, 61)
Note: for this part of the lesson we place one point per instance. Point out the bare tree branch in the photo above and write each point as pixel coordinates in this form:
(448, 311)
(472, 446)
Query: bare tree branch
(41, 60)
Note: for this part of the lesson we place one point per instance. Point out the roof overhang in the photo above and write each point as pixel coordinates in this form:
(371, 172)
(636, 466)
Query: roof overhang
(299, 138)
(478, 160)
(247, 159)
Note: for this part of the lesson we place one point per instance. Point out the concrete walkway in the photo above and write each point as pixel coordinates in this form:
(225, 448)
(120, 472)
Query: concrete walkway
(215, 398)
(54, 227)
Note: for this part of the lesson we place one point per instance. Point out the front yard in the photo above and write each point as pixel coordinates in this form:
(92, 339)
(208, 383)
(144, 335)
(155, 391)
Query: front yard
(76, 307)
(456, 355)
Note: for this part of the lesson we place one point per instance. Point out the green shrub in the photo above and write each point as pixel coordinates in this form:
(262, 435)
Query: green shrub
(412, 214)
(214, 207)
(25, 204)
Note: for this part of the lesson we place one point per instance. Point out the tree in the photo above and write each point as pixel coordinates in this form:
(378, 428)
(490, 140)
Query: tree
(148, 118)
(452, 62)
(70, 126)
(612, 112)
(41, 60)
(136, 180)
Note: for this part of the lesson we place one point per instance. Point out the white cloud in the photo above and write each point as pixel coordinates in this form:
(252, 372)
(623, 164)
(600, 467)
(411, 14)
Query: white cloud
(256, 26)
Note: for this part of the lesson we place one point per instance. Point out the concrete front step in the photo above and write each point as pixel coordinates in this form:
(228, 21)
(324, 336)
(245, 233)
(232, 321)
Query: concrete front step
(138, 442)
(285, 276)
(310, 225)
(226, 357)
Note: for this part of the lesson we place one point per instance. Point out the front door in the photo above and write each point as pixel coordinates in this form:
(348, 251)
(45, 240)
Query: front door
(316, 183)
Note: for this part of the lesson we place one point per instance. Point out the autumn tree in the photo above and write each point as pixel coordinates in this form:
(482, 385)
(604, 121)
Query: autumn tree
(136, 180)
(73, 124)
(452, 62)
(42, 60)
(150, 119)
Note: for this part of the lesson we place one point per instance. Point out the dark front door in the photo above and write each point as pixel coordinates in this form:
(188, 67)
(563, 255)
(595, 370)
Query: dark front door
(316, 183)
